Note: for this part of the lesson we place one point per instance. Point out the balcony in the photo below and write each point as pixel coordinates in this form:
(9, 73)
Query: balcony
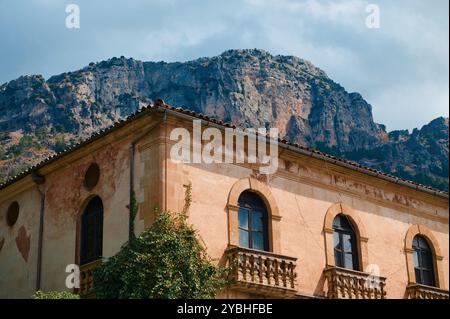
(262, 273)
(351, 284)
(416, 291)
(87, 279)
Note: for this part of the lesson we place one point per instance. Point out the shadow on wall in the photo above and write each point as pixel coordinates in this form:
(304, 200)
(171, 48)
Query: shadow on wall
(320, 287)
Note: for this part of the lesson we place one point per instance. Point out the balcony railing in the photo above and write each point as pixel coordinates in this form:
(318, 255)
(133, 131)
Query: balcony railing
(351, 284)
(416, 291)
(262, 272)
(87, 279)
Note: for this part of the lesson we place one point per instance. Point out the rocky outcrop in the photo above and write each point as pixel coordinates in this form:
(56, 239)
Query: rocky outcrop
(246, 87)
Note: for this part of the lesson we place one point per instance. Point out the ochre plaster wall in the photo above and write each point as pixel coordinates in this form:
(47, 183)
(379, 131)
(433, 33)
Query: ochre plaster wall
(18, 252)
(303, 190)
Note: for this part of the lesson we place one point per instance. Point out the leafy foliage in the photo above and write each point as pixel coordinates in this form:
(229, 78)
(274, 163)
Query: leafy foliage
(421, 178)
(165, 261)
(360, 153)
(17, 170)
(25, 143)
(55, 295)
(60, 145)
(2, 153)
(41, 133)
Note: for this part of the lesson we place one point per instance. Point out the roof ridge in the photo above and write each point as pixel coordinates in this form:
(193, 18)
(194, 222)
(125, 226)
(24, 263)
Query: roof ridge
(160, 104)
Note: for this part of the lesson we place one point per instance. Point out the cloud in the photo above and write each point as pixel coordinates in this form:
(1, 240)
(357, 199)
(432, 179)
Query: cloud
(401, 69)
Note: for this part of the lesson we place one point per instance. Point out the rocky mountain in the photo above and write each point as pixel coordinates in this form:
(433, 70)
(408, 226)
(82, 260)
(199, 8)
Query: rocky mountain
(249, 87)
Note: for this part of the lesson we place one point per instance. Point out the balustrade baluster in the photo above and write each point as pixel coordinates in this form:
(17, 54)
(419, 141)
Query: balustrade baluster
(345, 283)
(264, 269)
(260, 270)
(252, 267)
(276, 272)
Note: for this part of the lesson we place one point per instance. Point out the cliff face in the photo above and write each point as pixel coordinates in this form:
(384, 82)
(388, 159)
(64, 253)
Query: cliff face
(247, 87)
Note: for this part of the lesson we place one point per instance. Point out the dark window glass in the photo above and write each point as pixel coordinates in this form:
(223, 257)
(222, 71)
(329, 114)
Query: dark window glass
(418, 275)
(92, 231)
(416, 260)
(349, 262)
(345, 244)
(12, 214)
(258, 221)
(347, 240)
(243, 238)
(258, 241)
(423, 262)
(243, 218)
(252, 218)
(92, 176)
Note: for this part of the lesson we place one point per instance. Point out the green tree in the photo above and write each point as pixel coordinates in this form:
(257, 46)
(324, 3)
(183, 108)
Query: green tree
(41, 133)
(165, 261)
(59, 128)
(60, 145)
(25, 143)
(2, 153)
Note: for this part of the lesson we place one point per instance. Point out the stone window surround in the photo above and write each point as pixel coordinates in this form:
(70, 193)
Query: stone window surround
(263, 190)
(260, 188)
(353, 216)
(423, 231)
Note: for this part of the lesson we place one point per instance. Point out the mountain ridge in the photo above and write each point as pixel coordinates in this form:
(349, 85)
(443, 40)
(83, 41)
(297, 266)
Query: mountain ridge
(252, 87)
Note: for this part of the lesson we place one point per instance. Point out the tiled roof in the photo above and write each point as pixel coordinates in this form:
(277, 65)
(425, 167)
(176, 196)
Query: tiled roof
(160, 105)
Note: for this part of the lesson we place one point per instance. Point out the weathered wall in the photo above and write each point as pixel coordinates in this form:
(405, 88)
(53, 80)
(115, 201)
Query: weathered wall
(65, 200)
(149, 178)
(303, 208)
(18, 245)
(303, 189)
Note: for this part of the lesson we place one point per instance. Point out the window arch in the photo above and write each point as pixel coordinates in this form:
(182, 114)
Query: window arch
(423, 261)
(91, 243)
(345, 243)
(252, 222)
(420, 240)
(360, 239)
(263, 191)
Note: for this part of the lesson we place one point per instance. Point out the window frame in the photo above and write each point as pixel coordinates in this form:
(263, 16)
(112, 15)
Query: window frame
(96, 215)
(418, 252)
(340, 251)
(250, 213)
(425, 232)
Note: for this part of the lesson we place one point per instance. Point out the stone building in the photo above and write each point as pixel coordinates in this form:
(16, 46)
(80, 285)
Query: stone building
(320, 227)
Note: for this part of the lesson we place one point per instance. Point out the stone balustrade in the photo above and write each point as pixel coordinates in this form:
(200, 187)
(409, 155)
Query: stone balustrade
(262, 272)
(350, 284)
(416, 291)
(87, 279)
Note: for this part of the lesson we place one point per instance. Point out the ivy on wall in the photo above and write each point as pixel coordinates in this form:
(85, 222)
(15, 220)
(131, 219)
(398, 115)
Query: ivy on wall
(165, 261)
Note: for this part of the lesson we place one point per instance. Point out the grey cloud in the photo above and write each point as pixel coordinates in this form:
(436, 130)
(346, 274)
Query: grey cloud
(401, 69)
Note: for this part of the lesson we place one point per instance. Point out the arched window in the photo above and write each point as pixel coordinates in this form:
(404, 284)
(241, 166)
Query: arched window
(252, 222)
(345, 243)
(92, 231)
(423, 261)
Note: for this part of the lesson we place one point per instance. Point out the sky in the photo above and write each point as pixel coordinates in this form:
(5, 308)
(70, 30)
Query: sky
(401, 68)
